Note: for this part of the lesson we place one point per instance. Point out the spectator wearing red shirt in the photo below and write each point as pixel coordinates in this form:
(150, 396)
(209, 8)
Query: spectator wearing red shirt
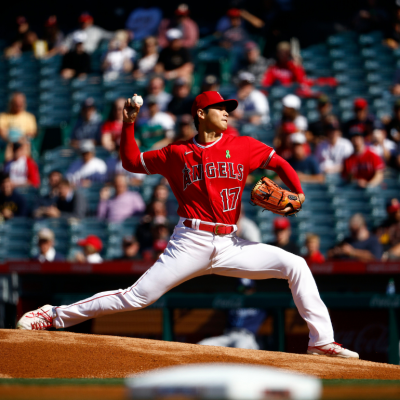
(112, 128)
(362, 120)
(22, 169)
(285, 71)
(364, 166)
(313, 254)
(182, 21)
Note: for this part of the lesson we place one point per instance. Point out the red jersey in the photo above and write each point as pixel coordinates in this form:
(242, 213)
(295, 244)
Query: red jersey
(285, 74)
(316, 257)
(362, 166)
(113, 127)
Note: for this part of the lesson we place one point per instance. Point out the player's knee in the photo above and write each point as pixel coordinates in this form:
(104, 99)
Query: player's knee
(296, 265)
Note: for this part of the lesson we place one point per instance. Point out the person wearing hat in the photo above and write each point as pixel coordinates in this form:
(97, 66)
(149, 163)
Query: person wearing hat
(22, 169)
(305, 165)
(88, 125)
(331, 152)
(284, 71)
(182, 100)
(236, 35)
(47, 252)
(53, 36)
(87, 169)
(91, 246)
(93, 35)
(283, 232)
(144, 20)
(253, 62)
(242, 323)
(76, 63)
(207, 175)
(364, 167)
(130, 249)
(182, 21)
(363, 120)
(174, 60)
(291, 112)
(158, 130)
(253, 105)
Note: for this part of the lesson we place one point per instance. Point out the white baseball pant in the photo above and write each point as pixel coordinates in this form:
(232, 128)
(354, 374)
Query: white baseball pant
(191, 253)
(236, 338)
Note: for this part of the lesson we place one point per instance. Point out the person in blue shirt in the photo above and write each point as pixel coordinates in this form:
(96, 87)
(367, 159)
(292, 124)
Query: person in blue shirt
(306, 166)
(144, 21)
(243, 323)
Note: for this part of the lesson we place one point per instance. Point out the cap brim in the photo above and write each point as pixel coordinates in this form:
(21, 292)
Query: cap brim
(230, 104)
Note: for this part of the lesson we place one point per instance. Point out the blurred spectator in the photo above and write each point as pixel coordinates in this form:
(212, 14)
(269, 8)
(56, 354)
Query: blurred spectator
(92, 246)
(156, 89)
(210, 82)
(93, 35)
(88, 126)
(282, 233)
(393, 124)
(119, 58)
(89, 168)
(363, 167)
(50, 198)
(247, 228)
(76, 63)
(361, 245)
(158, 130)
(114, 167)
(12, 204)
(149, 57)
(112, 127)
(284, 71)
(291, 112)
(363, 121)
(70, 203)
(130, 249)
(306, 166)
(313, 254)
(182, 100)
(243, 323)
(254, 62)
(174, 60)
(53, 36)
(392, 38)
(47, 252)
(161, 193)
(370, 17)
(17, 122)
(317, 129)
(24, 39)
(253, 105)
(282, 141)
(144, 20)
(331, 153)
(185, 128)
(182, 21)
(385, 148)
(122, 205)
(22, 169)
(161, 236)
(389, 232)
(396, 85)
(236, 34)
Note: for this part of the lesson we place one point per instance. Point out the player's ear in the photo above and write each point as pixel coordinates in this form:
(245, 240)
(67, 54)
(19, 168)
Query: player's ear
(201, 113)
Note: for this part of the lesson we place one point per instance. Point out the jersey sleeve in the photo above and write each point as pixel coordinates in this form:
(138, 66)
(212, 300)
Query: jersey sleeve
(155, 161)
(259, 154)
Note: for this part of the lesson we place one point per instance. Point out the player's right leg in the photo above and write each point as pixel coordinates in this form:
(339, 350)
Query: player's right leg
(188, 255)
(224, 340)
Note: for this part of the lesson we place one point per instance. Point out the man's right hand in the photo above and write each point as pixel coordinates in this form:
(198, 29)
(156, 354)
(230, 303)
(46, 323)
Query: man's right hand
(131, 111)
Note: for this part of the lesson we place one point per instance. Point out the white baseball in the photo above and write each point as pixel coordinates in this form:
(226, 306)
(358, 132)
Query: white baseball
(138, 100)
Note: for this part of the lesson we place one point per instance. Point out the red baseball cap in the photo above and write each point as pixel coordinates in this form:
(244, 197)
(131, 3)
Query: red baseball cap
(233, 12)
(91, 240)
(85, 17)
(210, 98)
(289, 128)
(281, 223)
(360, 104)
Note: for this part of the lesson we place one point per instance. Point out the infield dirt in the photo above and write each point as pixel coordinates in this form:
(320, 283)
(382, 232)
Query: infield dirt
(27, 354)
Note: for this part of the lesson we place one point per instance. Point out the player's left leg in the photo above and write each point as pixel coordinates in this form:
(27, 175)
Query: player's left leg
(245, 340)
(243, 259)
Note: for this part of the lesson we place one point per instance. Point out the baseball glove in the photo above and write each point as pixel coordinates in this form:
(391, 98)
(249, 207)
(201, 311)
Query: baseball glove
(267, 194)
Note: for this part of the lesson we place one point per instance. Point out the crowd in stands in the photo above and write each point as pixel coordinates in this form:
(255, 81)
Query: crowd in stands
(159, 53)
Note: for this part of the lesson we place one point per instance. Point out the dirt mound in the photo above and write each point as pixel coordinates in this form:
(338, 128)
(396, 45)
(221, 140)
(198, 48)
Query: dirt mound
(27, 354)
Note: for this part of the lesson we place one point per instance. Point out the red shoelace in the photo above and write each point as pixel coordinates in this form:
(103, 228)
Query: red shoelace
(47, 321)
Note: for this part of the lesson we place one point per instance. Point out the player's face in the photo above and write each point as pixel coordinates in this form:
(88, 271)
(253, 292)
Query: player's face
(216, 119)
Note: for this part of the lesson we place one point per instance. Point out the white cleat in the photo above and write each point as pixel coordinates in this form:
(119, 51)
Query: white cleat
(38, 320)
(332, 350)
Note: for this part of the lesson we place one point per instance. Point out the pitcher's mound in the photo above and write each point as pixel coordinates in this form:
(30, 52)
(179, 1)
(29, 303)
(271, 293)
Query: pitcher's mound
(32, 354)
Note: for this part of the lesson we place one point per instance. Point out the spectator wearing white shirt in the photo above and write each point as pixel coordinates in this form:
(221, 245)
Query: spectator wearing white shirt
(94, 35)
(92, 245)
(89, 168)
(331, 152)
(253, 104)
(47, 252)
(145, 65)
(385, 148)
(119, 58)
(156, 88)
